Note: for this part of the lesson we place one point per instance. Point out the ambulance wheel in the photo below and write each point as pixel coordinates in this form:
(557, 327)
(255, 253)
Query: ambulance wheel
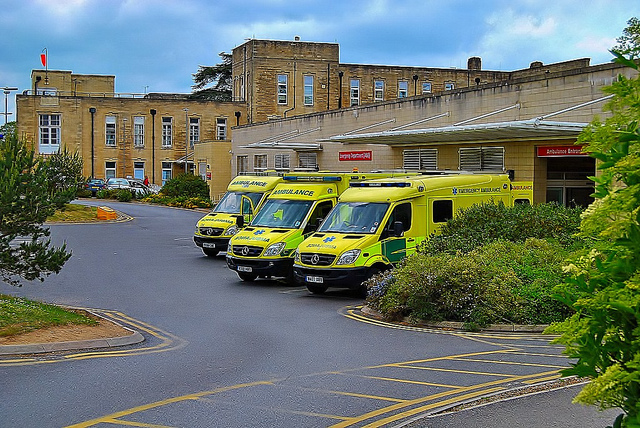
(249, 277)
(209, 252)
(316, 289)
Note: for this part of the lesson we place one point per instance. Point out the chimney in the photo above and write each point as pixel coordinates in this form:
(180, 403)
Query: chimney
(536, 64)
(474, 63)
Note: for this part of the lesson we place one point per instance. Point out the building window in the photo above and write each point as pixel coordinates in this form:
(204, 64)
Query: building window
(109, 170)
(355, 92)
(378, 90)
(481, 158)
(308, 161)
(138, 131)
(403, 89)
(282, 89)
(308, 90)
(221, 128)
(449, 86)
(110, 131)
(420, 159)
(426, 87)
(49, 133)
(138, 170)
(242, 164)
(194, 130)
(167, 131)
(259, 162)
(166, 172)
(282, 162)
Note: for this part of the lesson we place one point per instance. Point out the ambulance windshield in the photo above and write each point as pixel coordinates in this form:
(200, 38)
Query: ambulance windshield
(354, 217)
(230, 202)
(282, 213)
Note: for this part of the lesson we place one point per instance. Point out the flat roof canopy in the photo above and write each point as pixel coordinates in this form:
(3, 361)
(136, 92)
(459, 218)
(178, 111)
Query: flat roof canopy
(535, 129)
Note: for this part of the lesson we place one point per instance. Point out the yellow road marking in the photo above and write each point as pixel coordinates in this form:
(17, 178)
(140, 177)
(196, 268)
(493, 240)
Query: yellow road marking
(135, 424)
(114, 417)
(492, 387)
(514, 363)
(414, 382)
(436, 369)
(422, 409)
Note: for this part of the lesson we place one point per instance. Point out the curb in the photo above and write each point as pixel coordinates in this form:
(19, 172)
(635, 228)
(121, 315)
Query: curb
(110, 342)
(454, 325)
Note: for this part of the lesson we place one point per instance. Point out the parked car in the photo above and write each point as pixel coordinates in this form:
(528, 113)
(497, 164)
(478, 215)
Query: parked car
(94, 185)
(135, 186)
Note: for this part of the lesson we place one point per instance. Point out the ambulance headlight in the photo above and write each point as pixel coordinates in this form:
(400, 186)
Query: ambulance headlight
(232, 230)
(348, 257)
(296, 255)
(274, 249)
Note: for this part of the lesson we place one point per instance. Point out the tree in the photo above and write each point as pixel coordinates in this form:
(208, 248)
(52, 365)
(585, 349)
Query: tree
(219, 75)
(25, 203)
(63, 172)
(604, 286)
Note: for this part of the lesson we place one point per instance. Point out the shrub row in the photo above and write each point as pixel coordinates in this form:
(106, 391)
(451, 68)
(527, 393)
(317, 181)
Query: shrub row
(491, 264)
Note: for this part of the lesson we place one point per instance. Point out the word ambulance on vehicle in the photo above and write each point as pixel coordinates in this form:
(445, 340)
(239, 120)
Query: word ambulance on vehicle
(379, 222)
(244, 197)
(294, 209)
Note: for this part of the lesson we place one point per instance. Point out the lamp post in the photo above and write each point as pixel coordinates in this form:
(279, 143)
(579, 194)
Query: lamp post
(7, 90)
(186, 140)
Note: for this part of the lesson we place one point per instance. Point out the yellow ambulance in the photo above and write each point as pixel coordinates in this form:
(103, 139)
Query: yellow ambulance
(379, 222)
(295, 208)
(245, 195)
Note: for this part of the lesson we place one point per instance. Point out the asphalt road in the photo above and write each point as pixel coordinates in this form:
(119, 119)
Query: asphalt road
(223, 353)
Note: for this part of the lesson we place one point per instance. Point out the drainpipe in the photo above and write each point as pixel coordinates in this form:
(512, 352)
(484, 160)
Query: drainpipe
(415, 85)
(153, 145)
(92, 110)
(340, 74)
(284, 114)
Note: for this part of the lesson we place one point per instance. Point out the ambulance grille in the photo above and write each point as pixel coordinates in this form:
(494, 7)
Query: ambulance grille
(316, 259)
(211, 231)
(247, 250)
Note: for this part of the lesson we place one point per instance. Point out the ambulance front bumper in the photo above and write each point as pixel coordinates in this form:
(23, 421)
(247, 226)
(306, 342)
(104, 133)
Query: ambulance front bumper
(351, 278)
(261, 267)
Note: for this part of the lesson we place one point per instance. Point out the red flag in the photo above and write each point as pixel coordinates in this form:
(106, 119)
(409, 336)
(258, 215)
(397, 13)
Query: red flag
(43, 59)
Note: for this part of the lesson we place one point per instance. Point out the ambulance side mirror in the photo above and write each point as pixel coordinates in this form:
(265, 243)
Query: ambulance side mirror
(398, 229)
(240, 221)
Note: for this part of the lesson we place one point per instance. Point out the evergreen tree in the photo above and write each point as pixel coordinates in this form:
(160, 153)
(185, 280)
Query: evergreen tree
(25, 203)
(219, 75)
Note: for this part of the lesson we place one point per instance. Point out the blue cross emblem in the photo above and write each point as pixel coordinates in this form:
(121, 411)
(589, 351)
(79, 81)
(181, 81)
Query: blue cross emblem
(328, 239)
(259, 232)
(455, 190)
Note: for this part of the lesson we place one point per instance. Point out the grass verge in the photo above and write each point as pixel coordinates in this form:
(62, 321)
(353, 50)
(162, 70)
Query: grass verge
(19, 315)
(75, 213)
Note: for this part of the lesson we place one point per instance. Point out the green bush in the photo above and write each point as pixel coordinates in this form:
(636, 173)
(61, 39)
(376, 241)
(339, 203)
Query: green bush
(124, 195)
(488, 222)
(181, 201)
(83, 193)
(186, 185)
(501, 282)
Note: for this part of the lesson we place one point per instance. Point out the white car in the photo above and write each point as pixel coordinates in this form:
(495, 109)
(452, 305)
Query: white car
(132, 184)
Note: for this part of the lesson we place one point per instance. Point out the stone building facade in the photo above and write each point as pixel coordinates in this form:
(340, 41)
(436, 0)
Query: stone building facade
(281, 79)
(295, 106)
(126, 135)
(527, 125)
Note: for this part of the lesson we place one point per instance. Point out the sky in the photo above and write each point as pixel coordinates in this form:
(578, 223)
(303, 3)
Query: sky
(157, 45)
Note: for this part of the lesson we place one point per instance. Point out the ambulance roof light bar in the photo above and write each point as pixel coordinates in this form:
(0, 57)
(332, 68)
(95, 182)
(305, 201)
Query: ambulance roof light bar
(331, 178)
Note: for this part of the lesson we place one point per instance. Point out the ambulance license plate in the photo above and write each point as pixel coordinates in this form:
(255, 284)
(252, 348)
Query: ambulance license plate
(315, 279)
(208, 245)
(244, 269)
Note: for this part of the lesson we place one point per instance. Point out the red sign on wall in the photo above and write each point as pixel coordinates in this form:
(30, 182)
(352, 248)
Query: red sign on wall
(551, 151)
(362, 155)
